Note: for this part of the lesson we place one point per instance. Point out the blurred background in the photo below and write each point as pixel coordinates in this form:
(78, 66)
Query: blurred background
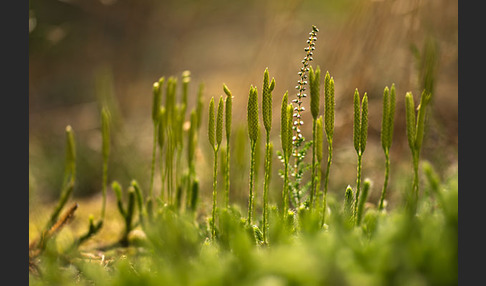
(82, 52)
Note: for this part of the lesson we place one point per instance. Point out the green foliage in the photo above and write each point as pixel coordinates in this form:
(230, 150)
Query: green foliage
(415, 135)
(211, 124)
(252, 114)
(389, 101)
(267, 101)
(315, 84)
(360, 136)
(348, 243)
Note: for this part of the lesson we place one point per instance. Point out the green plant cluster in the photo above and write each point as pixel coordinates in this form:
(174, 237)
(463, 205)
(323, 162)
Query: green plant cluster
(310, 237)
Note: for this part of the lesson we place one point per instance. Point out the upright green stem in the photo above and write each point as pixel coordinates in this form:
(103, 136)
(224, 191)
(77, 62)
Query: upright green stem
(326, 181)
(358, 188)
(385, 184)
(313, 177)
(103, 188)
(252, 171)
(285, 194)
(213, 214)
(152, 168)
(265, 188)
(415, 187)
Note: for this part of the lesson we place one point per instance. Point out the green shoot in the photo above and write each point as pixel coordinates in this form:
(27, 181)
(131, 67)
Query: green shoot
(389, 99)
(314, 84)
(329, 128)
(253, 131)
(360, 134)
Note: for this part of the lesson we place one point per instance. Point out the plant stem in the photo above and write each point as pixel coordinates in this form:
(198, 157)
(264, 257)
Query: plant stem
(358, 186)
(313, 177)
(252, 171)
(385, 184)
(152, 168)
(215, 173)
(265, 188)
(329, 159)
(227, 175)
(103, 188)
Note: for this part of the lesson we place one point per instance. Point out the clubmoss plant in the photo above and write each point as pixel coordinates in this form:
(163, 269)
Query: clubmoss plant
(362, 199)
(161, 140)
(415, 135)
(191, 151)
(105, 150)
(69, 177)
(157, 99)
(360, 135)
(329, 129)
(286, 142)
(170, 123)
(348, 204)
(389, 100)
(253, 131)
(227, 122)
(299, 149)
(127, 213)
(215, 134)
(267, 122)
(314, 84)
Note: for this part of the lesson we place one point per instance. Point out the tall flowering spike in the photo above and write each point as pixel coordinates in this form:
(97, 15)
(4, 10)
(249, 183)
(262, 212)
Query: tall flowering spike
(357, 121)
(329, 106)
(364, 123)
(410, 119)
(228, 111)
(211, 123)
(252, 114)
(283, 123)
(267, 101)
(315, 90)
(301, 83)
(219, 122)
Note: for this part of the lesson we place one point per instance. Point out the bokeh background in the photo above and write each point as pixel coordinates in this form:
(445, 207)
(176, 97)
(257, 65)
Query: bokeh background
(82, 52)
